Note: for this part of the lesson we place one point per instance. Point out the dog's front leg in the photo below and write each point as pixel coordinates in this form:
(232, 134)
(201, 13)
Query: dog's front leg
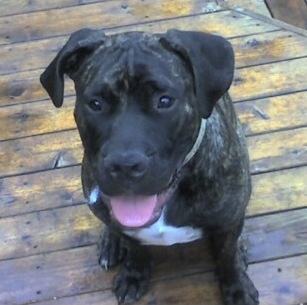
(236, 286)
(110, 249)
(132, 280)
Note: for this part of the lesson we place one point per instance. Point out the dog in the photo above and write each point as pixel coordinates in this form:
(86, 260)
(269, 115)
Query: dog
(165, 159)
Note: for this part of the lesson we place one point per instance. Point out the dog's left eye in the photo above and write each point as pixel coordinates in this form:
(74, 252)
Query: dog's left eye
(95, 105)
(165, 102)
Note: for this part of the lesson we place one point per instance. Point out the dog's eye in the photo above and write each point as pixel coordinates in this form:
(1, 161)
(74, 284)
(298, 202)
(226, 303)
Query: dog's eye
(95, 105)
(165, 102)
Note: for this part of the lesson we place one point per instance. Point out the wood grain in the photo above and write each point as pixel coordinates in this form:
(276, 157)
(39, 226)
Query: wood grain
(278, 191)
(37, 54)
(269, 80)
(293, 12)
(273, 113)
(15, 7)
(258, 6)
(108, 14)
(278, 150)
(40, 191)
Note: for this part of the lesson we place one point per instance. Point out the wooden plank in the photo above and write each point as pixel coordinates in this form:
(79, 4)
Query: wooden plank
(29, 119)
(268, 47)
(228, 24)
(15, 7)
(257, 6)
(47, 231)
(105, 297)
(278, 150)
(107, 14)
(279, 281)
(278, 191)
(269, 80)
(45, 276)
(273, 113)
(44, 152)
(293, 12)
(38, 153)
(272, 192)
(276, 236)
(22, 87)
(40, 191)
(280, 24)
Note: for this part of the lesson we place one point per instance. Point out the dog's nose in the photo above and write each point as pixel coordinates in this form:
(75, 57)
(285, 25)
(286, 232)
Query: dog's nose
(126, 165)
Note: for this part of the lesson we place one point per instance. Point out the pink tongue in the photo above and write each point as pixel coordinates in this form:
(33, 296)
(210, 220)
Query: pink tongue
(133, 211)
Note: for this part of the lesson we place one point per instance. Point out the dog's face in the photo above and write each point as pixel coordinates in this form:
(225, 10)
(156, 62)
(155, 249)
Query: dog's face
(136, 114)
(138, 108)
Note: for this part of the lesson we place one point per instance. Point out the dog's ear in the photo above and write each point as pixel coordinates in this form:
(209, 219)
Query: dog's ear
(211, 61)
(79, 45)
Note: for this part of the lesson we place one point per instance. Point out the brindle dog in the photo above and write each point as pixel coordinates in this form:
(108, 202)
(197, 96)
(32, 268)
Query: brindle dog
(164, 154)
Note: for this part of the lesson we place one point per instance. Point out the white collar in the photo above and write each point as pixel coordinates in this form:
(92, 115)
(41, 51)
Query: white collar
(197, 143)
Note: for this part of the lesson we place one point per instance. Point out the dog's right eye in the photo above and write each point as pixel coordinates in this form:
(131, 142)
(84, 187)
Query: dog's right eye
(95, 105)
(165, 102)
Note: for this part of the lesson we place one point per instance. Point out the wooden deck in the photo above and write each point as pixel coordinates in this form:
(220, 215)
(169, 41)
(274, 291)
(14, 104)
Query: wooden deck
(47, 233)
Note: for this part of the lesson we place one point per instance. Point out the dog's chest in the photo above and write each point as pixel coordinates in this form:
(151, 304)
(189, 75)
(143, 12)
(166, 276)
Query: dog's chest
(161, 234)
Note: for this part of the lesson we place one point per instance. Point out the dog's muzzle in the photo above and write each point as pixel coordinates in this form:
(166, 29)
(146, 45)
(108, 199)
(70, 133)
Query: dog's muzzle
(136, 211)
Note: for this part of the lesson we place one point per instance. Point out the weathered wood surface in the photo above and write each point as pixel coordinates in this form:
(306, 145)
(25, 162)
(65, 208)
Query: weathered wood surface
(48, 235)
(294, 11)
(258, 6)
(228, 24)
(9, 7)
(106, 14)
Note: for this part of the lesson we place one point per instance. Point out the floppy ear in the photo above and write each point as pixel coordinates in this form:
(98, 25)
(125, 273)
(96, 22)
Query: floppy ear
(79, 45)
(211, 61)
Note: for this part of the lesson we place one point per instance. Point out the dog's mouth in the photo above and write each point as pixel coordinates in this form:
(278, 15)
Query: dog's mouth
(136, 211)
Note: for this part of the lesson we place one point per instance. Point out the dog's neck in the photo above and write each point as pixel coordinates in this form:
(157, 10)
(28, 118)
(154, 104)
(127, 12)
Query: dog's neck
(197, 143)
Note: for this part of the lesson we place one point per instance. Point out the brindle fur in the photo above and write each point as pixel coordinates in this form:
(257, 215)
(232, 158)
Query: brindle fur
(212, 190)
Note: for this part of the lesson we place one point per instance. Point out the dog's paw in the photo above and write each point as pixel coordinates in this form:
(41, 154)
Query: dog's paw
(110, 250)
(241, 292)
(130, 285)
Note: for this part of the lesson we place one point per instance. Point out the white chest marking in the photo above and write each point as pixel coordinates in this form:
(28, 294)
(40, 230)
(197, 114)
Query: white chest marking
(161, 234)
(93, 196)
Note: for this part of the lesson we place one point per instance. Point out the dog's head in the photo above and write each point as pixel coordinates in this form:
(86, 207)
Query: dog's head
(140, 99)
